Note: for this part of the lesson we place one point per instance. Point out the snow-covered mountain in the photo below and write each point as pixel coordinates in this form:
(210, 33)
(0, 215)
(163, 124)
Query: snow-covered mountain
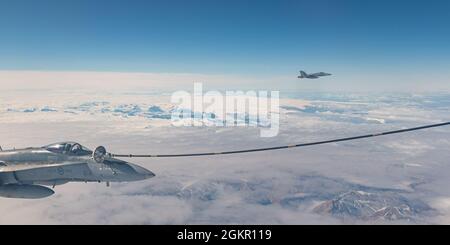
(374, 206)
(389, 179)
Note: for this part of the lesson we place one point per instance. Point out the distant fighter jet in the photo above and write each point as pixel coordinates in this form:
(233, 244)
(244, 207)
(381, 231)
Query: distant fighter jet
(313, 76)
(25, 172)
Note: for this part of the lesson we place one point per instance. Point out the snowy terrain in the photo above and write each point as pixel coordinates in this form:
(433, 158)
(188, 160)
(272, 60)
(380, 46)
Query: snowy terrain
(392, 179)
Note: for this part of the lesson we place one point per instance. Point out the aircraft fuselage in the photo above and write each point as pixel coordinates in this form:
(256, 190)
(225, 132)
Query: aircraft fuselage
(41, 166)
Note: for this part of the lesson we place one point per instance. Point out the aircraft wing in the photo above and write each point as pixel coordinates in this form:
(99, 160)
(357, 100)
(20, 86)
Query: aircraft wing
(321, 74)
(5, 167)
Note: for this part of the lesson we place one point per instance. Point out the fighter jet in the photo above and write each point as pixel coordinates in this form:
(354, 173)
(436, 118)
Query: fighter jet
(24, 173)
(312, 76)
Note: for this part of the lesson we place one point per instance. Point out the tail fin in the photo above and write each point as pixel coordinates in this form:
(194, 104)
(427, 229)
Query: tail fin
(303, 74)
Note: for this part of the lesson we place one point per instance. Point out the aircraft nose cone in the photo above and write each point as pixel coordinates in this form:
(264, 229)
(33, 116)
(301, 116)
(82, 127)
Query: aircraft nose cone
(143, 172)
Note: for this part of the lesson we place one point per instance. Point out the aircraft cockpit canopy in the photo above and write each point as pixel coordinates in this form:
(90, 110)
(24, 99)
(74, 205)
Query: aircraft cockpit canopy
(69, 148)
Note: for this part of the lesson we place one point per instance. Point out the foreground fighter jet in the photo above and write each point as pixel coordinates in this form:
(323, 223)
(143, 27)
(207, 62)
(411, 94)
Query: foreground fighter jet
(313, 76)
(25, 172)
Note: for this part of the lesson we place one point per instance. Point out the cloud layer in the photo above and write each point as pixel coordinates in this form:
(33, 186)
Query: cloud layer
(282, 187)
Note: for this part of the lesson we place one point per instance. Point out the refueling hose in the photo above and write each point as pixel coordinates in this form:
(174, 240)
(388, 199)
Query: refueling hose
(290, 146)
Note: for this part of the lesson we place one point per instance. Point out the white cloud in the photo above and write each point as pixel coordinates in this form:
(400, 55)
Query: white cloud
(279, 187)
(103, 82)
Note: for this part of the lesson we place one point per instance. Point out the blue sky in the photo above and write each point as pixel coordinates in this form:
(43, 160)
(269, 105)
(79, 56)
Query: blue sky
(226, 37)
